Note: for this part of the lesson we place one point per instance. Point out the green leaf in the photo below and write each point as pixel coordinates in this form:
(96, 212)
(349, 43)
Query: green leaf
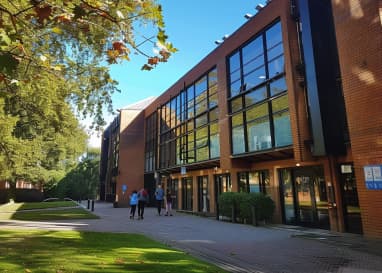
(8, 63)
(4, 39)
(79, 12)
(57, 30)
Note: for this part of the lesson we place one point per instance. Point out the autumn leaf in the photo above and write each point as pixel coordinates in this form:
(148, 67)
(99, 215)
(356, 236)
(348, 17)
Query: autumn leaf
(43, 13)
(63, 18)
(120, 47)
(153, 61)
(146, 67)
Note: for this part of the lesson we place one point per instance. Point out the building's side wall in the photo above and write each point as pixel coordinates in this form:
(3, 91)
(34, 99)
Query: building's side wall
(131, 155)
(359, 39)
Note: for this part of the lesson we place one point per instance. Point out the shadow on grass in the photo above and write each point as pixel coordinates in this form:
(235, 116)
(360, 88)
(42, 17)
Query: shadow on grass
(72, 251)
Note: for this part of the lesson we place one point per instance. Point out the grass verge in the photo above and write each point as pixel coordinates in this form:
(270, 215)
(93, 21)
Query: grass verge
(36, 205)
(75, 252)
(44, 211)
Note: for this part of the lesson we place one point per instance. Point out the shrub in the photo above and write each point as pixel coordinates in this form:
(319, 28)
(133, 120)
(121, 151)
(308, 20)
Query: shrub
(4, 198)
(264, 206)
(28, 195)
(226, 202)
(244, 204)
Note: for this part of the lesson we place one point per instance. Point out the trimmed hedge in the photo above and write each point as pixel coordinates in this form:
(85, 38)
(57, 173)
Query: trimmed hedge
(21, 195)
(4, 198)
(28, 195)
(243, 205)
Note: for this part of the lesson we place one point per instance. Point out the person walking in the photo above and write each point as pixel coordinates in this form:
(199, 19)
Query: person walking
(142, 199)
(159, 195)
(133, 203)
(168, 203)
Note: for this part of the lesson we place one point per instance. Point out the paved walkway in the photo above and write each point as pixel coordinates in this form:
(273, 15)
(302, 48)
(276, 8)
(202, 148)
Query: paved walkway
(237, 247)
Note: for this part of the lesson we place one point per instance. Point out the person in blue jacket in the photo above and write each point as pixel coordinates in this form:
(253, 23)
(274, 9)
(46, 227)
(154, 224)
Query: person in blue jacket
(159, 196)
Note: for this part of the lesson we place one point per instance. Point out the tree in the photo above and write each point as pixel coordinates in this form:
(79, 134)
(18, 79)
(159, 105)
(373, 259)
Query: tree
(53, 63)
(82, 181)
(71, 41)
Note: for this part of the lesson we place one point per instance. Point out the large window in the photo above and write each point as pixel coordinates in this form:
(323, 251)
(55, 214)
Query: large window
(254, 181)
(151, 142)
(189, 129)
(258, 97)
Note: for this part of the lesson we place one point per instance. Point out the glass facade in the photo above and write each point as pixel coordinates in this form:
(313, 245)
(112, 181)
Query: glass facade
(151, 142)
(189, 129)
(258, 99)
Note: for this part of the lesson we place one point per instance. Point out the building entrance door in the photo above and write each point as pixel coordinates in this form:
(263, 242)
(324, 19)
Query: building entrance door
(203, 194)
(222, 184)
(187, 195)
(304, 197)
(352, 211)
(173, 187)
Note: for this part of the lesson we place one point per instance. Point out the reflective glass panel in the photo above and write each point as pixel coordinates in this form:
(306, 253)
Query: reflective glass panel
(201, 86)
(235, 88)
(214, 114)
(214, 145)
(259, 135)
(238, 146)
(257, 112)
(253, 64)
(236, 104)
(253, 49)
(273, 35)
(255, 96)
(283, 132)
(212, 78)
(278, 86)
(234, 62)
(201, 120)
(276, 66)
(275, 51)
(254, 182)
(254, 78)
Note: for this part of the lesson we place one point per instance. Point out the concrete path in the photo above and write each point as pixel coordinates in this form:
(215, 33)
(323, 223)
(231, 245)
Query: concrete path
(237, 247)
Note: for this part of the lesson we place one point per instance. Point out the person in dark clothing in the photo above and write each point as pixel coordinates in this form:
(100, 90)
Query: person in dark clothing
(142, 199)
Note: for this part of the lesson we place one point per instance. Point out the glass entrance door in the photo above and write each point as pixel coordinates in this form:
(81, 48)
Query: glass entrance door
(304, 197)
(288, 196)
(222, 184)
(187, 193)
(173, 187)
(352, 211)
(203, 194)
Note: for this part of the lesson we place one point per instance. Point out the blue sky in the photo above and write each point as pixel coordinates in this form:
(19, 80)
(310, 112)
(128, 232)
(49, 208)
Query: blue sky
(192, 27)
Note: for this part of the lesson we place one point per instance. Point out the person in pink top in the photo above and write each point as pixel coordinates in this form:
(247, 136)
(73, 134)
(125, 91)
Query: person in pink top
(168, 203)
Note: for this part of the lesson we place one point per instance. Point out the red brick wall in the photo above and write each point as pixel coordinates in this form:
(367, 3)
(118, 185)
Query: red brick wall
(131, 154)
(359, 40)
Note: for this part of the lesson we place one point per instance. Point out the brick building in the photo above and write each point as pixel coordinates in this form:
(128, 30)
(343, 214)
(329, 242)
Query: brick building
(287, 105)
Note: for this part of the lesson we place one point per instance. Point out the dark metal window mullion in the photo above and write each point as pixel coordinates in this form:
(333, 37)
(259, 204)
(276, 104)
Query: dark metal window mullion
(242, 103)
(269, 101)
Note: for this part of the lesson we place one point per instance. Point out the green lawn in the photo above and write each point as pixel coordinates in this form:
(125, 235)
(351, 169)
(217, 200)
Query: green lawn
(42, 251)
(36, 205)
(74, 252)
(43, 211)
